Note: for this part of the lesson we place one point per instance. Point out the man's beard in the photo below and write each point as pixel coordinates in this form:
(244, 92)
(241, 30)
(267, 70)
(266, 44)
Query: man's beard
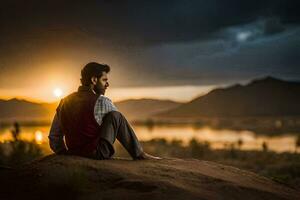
(99, 90)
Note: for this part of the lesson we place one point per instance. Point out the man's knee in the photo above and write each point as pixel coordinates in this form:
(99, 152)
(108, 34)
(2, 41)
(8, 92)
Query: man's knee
(114, 114)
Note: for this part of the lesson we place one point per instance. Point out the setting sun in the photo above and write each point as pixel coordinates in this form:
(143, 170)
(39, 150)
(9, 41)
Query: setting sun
(57, 92)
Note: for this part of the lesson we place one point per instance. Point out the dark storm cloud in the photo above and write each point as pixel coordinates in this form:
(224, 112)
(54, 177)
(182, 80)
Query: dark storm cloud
(158, 42)
(144, 22)
(225, 60)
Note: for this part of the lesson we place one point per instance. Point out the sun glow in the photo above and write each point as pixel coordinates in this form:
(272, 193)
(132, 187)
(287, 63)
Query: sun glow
(38, 137)
(57, 92)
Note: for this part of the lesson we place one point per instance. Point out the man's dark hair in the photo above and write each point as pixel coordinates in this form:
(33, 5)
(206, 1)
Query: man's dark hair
(92, 69)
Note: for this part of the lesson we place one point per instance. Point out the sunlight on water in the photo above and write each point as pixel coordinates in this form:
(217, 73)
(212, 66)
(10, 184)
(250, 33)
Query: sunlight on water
(38, 137)
(37, 134)
(217, 138)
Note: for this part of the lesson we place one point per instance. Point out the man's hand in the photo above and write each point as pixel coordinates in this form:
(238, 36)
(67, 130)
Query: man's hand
(146, 156)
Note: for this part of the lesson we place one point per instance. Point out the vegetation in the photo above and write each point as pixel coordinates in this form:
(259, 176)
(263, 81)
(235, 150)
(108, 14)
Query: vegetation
(15, 153)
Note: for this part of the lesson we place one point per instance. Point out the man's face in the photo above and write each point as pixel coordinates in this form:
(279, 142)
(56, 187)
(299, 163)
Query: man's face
(101, 84)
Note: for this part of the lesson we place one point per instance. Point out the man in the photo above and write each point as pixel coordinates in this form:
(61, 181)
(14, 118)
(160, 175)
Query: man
(90, 122)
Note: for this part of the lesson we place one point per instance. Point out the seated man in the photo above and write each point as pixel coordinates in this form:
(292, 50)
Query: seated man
(90, 122)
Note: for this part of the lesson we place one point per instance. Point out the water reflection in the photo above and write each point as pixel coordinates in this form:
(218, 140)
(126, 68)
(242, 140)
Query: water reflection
(218, 139)
(39, 139)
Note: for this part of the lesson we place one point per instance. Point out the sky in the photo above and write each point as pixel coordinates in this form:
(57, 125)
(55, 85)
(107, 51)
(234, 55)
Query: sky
(157, 49)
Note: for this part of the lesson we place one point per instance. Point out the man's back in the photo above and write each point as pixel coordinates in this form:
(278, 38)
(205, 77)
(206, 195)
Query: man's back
(77, 120)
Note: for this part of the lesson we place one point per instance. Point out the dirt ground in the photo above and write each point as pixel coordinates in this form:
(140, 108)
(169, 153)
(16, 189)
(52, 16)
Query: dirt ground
(71, 177)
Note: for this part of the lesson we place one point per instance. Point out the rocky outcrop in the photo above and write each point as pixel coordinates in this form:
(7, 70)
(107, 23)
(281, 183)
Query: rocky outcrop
(71, 177)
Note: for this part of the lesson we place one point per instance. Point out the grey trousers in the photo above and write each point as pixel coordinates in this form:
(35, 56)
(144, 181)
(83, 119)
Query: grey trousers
(115, 126)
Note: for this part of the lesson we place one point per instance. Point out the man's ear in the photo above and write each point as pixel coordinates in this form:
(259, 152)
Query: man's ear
(94, 80)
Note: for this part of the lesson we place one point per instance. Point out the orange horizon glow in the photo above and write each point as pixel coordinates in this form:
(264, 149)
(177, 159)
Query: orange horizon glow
(175, 93)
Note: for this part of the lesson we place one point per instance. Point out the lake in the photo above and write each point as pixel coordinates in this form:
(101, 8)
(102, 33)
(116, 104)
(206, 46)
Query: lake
(218, 139)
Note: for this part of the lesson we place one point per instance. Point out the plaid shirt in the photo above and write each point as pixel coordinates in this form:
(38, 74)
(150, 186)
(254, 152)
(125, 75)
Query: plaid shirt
(56, 137)
(103, 106)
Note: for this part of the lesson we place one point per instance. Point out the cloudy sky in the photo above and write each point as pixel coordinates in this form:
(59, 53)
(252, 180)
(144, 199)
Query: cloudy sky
(164, 49)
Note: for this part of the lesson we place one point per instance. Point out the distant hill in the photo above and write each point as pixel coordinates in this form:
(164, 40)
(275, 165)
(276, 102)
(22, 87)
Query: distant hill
(262, 97)
(140, 109)
(18, 109)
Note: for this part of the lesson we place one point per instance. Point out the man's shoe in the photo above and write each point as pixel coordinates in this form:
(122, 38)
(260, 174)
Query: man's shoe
(146, 156)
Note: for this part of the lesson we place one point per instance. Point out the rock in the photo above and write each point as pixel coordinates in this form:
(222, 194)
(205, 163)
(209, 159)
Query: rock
(71, 177)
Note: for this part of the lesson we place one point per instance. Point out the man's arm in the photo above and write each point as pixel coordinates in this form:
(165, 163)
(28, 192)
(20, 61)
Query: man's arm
(103, 106)
(56, 137)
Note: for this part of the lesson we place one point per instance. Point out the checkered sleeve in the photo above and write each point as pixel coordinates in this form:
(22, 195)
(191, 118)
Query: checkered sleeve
(103, 106)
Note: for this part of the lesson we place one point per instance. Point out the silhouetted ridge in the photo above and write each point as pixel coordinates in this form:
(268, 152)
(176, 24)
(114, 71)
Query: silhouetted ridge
(133, 109)
(138, 109)
(268, 96)
(19, 109)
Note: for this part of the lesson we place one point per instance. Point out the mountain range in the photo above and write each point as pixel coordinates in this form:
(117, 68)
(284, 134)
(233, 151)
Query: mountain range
(23, 110)
(261, 97)
(267, 96)
(133, 109)
(141, 109)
